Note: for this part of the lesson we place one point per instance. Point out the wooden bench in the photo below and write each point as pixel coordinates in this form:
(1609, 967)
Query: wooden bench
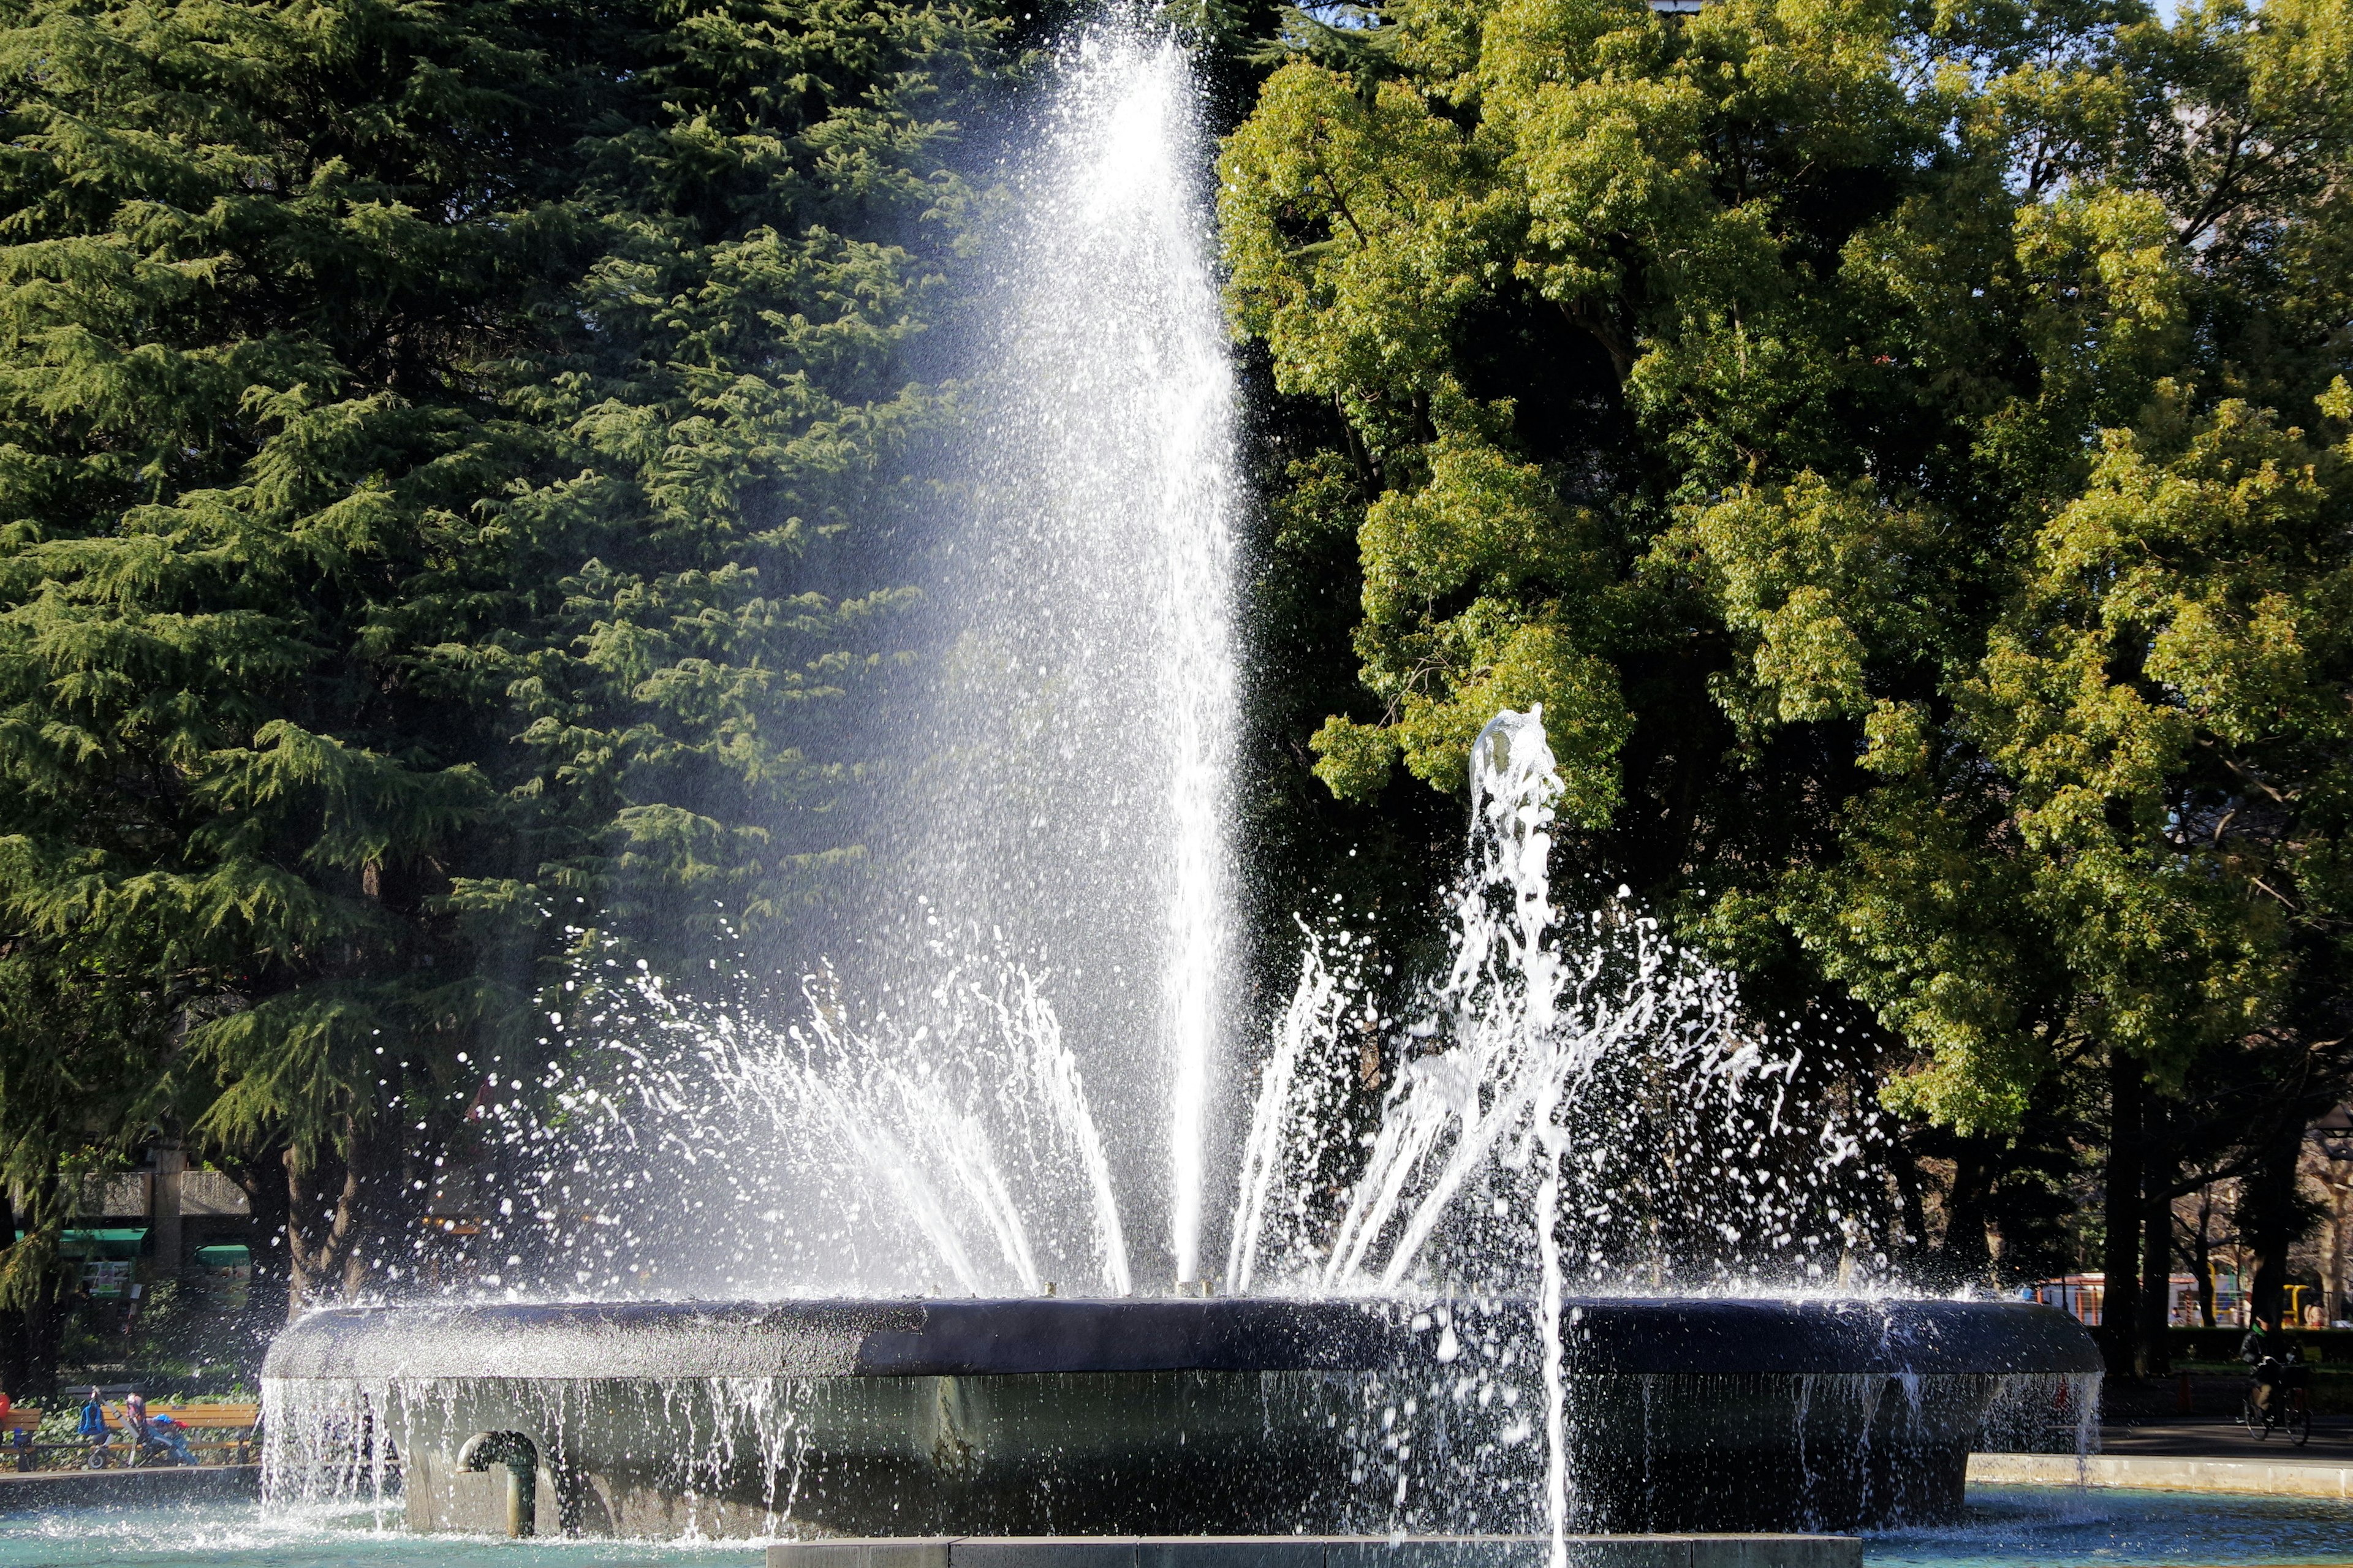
(204, 1418)
(17, 1429)
(240, 1419)
(211, 1418)
(231, 1426)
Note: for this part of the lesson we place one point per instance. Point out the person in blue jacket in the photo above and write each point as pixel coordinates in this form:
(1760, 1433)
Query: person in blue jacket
(172, 1437)
(94, 1431)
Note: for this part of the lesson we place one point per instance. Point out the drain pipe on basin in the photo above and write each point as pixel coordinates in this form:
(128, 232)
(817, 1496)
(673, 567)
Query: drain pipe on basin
(521, 1457)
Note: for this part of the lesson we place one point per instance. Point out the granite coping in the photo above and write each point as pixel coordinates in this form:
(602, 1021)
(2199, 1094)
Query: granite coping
(1697, 1551)
(2154, 1472)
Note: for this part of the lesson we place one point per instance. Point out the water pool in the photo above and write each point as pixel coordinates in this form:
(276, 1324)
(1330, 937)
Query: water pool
(2061, 1525)
(246, 1535)
(2011, 1528)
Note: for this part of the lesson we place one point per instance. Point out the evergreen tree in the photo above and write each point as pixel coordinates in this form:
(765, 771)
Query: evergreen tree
(437, 440)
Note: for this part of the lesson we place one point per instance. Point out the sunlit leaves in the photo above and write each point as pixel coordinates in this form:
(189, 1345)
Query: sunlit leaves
(1929, 459)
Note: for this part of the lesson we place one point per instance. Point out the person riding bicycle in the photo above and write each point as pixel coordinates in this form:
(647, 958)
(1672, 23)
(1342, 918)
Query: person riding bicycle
(2272, 1367)
(2256, 1351)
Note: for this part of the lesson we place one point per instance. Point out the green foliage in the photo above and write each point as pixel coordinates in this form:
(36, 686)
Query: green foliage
(1850, 421)
(445, 457)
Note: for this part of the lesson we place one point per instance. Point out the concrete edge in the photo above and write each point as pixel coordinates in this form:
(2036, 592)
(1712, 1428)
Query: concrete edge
(2163, 1473)
(117, 1487)
(1697, 1551)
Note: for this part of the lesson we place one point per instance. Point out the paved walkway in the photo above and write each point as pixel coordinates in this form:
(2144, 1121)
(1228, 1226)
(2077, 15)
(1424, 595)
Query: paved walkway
(2189, 1454)
(1322, 1551)
(148, 1484)
(2210, 1439)
(2158, 1473)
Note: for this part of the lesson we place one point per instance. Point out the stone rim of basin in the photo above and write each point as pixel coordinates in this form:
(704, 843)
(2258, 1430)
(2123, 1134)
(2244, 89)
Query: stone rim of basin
(1028, 1336)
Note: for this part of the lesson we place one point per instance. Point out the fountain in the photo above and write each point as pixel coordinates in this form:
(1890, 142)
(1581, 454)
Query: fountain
(1535, 1301)
(1221, 1416)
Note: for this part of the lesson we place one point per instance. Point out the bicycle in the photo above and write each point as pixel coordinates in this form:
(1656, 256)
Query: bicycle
(2286, 1409)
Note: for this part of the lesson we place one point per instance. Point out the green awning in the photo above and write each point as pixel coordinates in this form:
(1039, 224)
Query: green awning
(106, 1243)
(227, 1256)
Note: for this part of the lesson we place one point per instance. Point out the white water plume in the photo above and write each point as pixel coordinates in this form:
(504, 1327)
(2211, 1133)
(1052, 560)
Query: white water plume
(1049, 897)
(1118, 348)
(1576, 1099)
(1576, 1095)
(908, 1107)
(933, 1145)
(1072, 796)
(1294, 1127)
(1570, 1066)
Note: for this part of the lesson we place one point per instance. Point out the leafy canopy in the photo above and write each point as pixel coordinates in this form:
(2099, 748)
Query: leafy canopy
(1884, 439)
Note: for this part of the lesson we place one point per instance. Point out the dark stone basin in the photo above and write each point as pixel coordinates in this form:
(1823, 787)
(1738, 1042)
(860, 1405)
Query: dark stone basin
(1234, 1416)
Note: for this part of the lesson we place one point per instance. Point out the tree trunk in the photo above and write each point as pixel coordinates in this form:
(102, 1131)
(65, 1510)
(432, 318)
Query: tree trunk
(1967, 1254)
(343, 1209)
(2338, 1309)
(30, 1330)
(2156, 1275)
(2120, 1320)
(2201, 1255)
(317, 1228)
(2271, 1216)
(29, 1338)
(1913, 1246)
(268, 1210)
(333, 1229)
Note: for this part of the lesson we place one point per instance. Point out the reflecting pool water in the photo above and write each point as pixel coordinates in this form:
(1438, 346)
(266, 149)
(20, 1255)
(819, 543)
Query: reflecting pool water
(2055, 1525)
(2025, 1527)
(246, 1535)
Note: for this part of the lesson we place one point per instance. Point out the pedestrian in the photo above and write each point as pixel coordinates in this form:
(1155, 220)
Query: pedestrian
(94, 1432)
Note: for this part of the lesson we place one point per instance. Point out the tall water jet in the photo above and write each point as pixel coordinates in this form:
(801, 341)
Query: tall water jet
(1086, 723)
(1496, 1165)
(1572, 1078)
(1002, 1077)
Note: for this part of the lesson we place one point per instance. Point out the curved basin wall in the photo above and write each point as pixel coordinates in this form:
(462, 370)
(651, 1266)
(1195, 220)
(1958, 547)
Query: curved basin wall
(1167, 1418)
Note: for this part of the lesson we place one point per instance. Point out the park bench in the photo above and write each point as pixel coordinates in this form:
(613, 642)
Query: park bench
(221, 1433)
(17, 1429)
(232, 1425)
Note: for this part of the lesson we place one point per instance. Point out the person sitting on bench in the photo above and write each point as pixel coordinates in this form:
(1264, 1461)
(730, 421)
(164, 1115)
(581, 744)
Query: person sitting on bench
(95, 1432)
(171, 1436)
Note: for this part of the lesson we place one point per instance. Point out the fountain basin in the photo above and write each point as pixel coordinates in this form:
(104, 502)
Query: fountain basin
(1241, 1417)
